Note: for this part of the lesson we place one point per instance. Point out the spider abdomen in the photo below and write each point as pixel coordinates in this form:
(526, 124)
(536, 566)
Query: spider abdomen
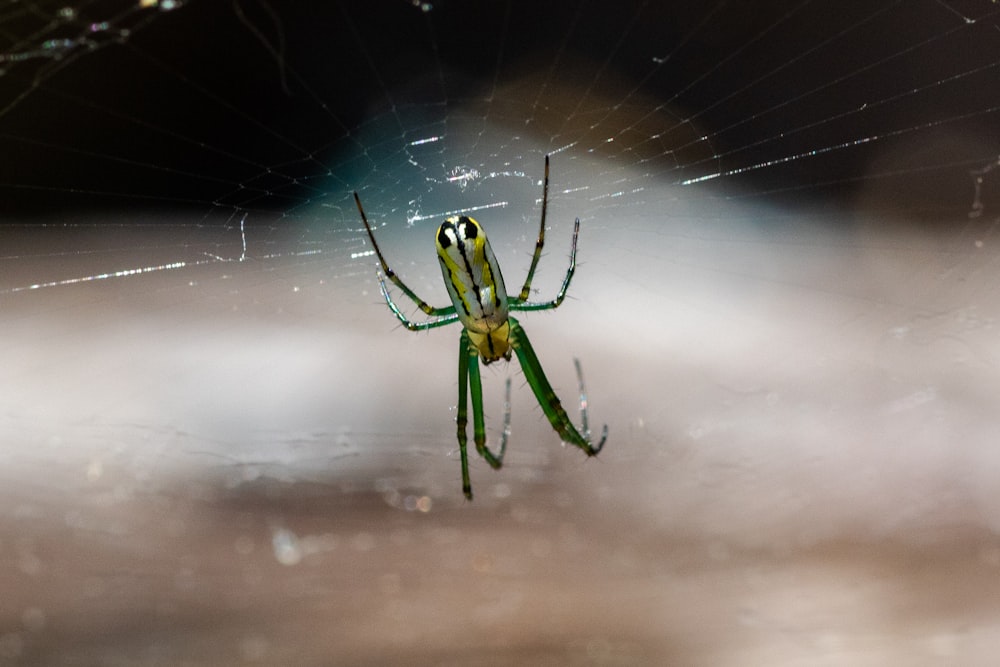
(471, 275)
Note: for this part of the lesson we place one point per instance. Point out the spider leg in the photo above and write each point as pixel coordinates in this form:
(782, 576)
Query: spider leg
(506, 421)
(462, 418)
(440, 321)
(519, 304)
(391, 275)
(584, 403)
(547, 398)
(478, 420)
(469, 379)
(526, 289)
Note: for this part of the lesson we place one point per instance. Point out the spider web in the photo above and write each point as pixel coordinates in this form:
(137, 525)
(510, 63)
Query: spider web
(784, 305)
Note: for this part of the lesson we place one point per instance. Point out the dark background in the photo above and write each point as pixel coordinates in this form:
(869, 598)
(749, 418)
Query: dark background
(213, 104)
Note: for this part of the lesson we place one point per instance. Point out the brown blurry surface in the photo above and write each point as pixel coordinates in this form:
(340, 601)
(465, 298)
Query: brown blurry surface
(193, 578)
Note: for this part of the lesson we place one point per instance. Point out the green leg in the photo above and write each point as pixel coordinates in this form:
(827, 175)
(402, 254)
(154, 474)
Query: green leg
(547, 398)
(478, 422)
(469, 377)
(447, 312)
(443, 316)
(462, 418)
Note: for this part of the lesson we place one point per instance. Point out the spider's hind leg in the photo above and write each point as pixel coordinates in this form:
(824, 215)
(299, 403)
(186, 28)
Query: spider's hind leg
(478, 419)
(547, 398)
(468, 374)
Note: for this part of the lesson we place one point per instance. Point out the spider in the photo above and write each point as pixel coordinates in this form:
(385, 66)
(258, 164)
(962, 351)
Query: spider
(481, 303)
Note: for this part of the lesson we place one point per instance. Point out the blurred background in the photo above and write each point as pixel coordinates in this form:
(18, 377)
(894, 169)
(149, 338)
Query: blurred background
(218, 446)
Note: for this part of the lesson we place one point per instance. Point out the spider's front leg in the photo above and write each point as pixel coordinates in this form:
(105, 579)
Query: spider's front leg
(442, 316)
(469, 378)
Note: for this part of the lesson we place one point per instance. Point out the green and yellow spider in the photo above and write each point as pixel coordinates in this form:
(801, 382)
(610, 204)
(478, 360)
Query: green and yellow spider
(480, 302)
